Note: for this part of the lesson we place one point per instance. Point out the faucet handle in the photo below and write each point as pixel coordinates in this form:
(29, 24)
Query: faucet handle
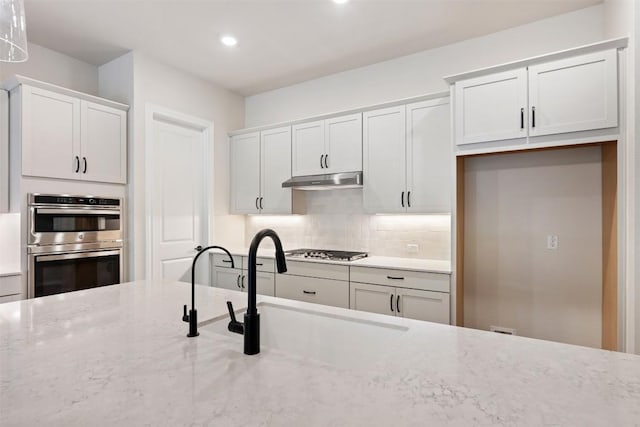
(234, 325)
(185, 316)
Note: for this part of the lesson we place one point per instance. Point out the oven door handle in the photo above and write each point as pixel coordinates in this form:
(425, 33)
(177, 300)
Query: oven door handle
(76, 255)
(63, 211)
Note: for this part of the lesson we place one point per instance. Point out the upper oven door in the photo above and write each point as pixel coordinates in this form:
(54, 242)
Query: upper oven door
(53, 225)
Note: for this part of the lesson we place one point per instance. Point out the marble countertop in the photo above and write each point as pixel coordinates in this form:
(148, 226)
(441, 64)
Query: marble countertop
(118, 355)
(374, 261)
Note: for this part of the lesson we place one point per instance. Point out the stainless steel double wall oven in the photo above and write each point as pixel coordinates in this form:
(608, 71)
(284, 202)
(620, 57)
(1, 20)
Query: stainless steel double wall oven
(74, 243)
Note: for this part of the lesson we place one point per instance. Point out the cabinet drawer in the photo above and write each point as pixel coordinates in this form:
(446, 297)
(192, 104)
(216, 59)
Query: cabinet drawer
(10, 285)
(317, 269)
(267, 265)
(10, 298)
(309, 289)
(401, 278)
(222, 260)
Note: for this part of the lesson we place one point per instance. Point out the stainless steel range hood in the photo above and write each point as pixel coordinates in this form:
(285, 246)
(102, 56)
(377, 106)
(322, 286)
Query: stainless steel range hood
(325, 182)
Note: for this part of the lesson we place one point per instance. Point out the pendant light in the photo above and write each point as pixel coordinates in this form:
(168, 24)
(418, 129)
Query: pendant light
(13, 31)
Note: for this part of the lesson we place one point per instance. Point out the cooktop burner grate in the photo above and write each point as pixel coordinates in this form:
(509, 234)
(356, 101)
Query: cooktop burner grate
(326, 254)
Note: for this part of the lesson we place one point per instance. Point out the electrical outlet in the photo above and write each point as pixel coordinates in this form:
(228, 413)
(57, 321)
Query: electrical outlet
(412, 248)
(552, 241)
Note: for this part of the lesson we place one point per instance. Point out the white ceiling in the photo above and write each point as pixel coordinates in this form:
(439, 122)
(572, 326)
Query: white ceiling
(279, 42)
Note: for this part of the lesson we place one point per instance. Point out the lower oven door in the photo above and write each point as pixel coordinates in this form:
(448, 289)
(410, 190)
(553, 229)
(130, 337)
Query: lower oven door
(66, 272)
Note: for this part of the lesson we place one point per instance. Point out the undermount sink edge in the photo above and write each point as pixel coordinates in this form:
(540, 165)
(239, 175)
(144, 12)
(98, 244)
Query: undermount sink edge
(342, 341)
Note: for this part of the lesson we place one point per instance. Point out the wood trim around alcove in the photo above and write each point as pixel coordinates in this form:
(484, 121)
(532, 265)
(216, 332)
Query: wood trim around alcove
(609, 246)
(609, 171)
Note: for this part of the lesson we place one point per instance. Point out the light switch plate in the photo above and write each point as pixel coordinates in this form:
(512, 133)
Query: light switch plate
(552, 241)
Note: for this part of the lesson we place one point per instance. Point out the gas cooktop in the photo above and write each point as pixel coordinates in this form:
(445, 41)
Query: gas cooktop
(326, 254)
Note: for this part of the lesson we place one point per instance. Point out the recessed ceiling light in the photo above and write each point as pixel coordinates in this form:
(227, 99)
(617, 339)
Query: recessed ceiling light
(340, 1)
(228, 40)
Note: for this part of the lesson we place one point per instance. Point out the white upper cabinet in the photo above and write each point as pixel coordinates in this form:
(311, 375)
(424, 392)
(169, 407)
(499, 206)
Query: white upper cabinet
(327, 146)
(50, 134)
(260, 163)
(69, 137)
(491, 108)
(307, 148)
(429, 157)
(4, 151)
(343, 144)
(104, 143)
(275, 148)
(245, 173)
(408, 158)
(568, 92)
(384, 160)
(574, 94)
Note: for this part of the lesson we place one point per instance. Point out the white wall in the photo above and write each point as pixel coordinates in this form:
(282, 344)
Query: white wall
(54, 67)
(512, 203)
(147, 81)
(422, 72)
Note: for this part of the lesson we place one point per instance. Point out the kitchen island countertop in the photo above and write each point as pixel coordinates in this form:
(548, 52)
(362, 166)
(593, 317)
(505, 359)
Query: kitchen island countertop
(118, 355)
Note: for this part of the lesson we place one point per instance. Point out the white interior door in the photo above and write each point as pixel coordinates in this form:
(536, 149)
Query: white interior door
(177, 200)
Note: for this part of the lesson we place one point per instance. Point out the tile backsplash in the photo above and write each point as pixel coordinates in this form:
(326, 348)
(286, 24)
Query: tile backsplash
(336, 219)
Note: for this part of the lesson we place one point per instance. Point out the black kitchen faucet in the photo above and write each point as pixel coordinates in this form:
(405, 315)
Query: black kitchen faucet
(192, 317)
(251, 326)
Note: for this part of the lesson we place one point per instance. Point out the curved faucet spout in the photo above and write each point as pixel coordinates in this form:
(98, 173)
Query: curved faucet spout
(281, 264)
(192, 317)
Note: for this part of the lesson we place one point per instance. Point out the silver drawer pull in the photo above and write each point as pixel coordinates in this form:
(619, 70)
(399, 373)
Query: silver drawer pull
(309, 292)
(395, 278)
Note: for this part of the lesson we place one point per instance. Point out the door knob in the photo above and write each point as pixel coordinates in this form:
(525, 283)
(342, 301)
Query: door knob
(198, 248)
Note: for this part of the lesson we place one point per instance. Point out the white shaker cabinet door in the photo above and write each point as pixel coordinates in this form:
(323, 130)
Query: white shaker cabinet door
(275, 169)
(422, 305)
(384, 160)
(245, 173)
(343, 143)
(491, 108)
(429, 157)
(265, 284)
(104, 143)
(372, 298)
(574, 94)
(307, 148)
(50, 134)
(227, 278)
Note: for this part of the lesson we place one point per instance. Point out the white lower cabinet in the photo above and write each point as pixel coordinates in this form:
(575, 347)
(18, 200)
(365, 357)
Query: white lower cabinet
(236, 279)
(417, 304)
(10, 288)
(315, 282)
(313, 289)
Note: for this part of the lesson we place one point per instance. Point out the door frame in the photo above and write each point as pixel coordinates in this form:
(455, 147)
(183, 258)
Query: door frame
(154, 113)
